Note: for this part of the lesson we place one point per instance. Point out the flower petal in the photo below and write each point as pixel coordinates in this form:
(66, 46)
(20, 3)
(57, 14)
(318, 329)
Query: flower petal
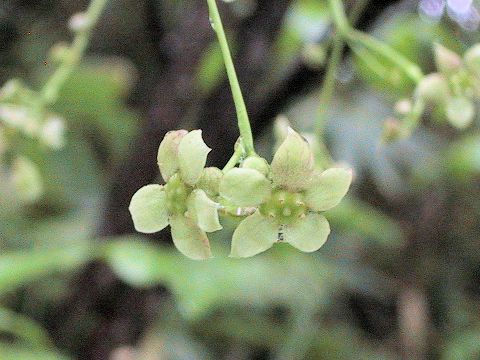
(189, 239)
(192, 156)
(148, 208)
(309, 233)
(203, 211)
(245, 187)
(293, 165)
(254, 235)
(328, 189)
(167, 157)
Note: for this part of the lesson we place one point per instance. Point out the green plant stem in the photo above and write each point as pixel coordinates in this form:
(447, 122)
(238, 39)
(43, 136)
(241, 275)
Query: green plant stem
(412, 70)
(237, 155)
(412, 119)
(358, 38)
(328, 85)
(49, 93)
(242, 115)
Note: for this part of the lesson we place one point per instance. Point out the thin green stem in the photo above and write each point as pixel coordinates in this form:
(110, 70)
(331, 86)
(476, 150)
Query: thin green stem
(411, 69)
(412, 120)
(237, 155)
(339, 17)
(328, 86)
(242, 115)
(49, 93)
(358, 38)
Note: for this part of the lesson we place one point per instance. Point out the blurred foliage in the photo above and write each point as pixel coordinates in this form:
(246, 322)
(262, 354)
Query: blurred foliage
(411, 220)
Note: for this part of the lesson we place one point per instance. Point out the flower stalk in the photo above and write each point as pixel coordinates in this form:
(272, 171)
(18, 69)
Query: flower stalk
(50, 91)
(242, 114)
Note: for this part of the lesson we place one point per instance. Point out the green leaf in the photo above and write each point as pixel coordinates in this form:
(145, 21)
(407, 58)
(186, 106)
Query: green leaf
(20, 268)
(293, 164)
(328, 189)
(167, 157)
(24, 328)
(254, 235)
(148, 208)
(140, 263)
(10, 351)
(192, 156)
(204, 211)
(308, 234)
(245, 187)
(189, 239)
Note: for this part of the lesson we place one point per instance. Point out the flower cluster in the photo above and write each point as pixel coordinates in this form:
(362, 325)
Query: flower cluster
(289, 196)
(184, 202)
(454, 88)
(283, 201)
(450, 93)
(23, 115)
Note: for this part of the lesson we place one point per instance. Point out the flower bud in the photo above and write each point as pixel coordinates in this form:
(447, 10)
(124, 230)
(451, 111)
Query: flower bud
(391, 130)
(433, 88)
(11, 89)
(210, 180)
(59, 52)
(314, 55)
(447, 61)
(472, 59)
(403, 106)
(52, 132)
(79, 22)
(21, 118)
(460, 112)
(256, 163)
(26, 179)
(167, 157)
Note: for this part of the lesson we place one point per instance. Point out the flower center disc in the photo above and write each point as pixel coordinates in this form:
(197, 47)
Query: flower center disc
(177, 194)
(284, 206)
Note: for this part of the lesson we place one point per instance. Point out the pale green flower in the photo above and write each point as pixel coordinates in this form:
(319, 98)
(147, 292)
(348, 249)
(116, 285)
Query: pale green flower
(184, 202)
(289, 204)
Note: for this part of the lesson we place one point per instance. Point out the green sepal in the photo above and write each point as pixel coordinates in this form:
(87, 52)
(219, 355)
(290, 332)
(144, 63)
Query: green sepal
(245, 187)
(308, 234)
(189, 239)
(293, 164)
(203, 211)
(148, 208)
(328, 189)
(192, 156)
(167, 157)
(255, 234)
